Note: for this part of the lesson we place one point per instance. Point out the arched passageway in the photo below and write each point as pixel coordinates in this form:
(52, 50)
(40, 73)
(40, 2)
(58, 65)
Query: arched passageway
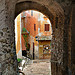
(60, 22)
(34, 28)
(56, 19)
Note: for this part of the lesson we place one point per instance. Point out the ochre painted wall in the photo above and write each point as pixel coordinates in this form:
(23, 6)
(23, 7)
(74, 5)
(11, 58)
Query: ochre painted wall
(41, 55)
(28, 22)
(40, 21)
(18, 45)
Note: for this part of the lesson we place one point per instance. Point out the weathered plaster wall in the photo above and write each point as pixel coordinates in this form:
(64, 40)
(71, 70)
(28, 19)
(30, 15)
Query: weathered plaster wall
(18, 36)
(41, 54)
(18, 46)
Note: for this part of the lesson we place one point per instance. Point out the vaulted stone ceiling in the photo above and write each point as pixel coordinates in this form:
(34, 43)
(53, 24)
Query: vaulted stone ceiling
(44, 6)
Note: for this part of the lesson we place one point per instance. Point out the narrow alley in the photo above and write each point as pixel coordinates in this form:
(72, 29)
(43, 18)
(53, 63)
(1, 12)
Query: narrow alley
(37, 37)
(38, 67)
(33, 43)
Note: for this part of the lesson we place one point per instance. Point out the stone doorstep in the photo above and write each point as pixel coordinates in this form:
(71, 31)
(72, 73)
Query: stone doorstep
(35, 62)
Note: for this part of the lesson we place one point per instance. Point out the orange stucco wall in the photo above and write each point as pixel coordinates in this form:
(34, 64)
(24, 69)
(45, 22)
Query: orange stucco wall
(23, 43)
(28, 22)
(18, 45)
(31, 20)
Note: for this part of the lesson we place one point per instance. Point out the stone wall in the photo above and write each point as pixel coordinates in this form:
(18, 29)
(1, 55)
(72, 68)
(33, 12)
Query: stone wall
(57, 47)
(7, 38)
(67, 65)
(52, 9)
(73, 40)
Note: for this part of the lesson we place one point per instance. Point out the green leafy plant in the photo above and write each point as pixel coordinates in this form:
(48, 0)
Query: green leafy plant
(19, 60)
(24, 30)
(25, 36)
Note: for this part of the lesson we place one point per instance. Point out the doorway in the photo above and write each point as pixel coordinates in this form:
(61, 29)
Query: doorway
(33, 51)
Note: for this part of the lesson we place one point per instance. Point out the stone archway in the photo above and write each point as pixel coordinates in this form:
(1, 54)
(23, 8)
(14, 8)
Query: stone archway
(57, 43)
(53, 11)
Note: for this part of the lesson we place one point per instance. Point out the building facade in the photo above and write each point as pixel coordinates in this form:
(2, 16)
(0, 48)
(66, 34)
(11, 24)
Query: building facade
(63, 36)
(37, 25)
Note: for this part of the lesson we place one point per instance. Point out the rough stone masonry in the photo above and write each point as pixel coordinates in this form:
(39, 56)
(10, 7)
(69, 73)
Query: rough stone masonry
(61, 15)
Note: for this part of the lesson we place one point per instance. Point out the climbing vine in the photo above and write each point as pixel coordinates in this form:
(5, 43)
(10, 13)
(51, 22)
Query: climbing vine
(25, 36)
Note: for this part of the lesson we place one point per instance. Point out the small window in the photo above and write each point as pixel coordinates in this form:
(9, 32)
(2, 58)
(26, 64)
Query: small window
(31, 12)
(23, 14)
(46, 27)
(34, 27)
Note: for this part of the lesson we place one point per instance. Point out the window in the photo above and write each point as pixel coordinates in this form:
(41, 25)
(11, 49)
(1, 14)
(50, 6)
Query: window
(23, 14)
(31, 12)
(34, 27)
(46, 27)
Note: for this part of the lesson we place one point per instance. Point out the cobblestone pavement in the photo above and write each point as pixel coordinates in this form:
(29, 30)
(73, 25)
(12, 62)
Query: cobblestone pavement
(38, 67)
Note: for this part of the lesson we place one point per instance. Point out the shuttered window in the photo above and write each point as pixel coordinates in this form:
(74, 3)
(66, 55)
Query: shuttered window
(34, 27)
(46, 27)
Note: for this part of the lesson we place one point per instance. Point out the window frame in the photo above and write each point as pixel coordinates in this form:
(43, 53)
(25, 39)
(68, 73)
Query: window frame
(34, 27)
(49, 28)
